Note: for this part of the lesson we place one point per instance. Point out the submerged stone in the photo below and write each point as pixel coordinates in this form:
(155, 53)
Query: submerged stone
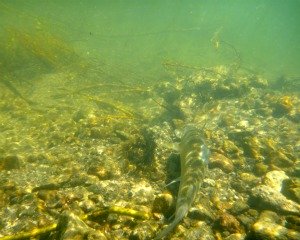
(291, 189)
(266, 197)
(220, 161)
(274, 179)
(268, 227)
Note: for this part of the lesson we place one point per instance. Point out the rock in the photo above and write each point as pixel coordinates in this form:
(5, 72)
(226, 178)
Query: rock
(142, 191)
(239, 186)
(274, 179)
(207, 182)
(249, 179)
(267, 227)
(228, 222)
(239, 207)
(80, 114)
(142, 231)
(218, 160)
(235, 236)
(140, 148)
(282, 106)
(296, 171)
(38, 158)
(266, 197)
(248, 218)
(291, 189)
(293, 222)
(10, 163)
(280, 159)
(201, 231)
(163, 204)
(260, 169)
(96, 133)
(201, 213)
(100, 171)
(86, 205)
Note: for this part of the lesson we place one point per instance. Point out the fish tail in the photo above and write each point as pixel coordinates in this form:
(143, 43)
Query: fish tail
(180, 214)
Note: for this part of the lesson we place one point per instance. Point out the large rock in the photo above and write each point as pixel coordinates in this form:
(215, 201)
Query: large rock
(266, 197)
(274, 179)
(268, 228)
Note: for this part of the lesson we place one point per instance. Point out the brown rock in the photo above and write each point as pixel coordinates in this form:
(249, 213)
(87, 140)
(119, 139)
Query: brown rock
(228, 222)
(218, 160)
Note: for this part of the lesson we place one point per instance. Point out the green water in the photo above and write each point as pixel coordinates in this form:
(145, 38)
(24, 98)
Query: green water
(93, 94)
(139, 36)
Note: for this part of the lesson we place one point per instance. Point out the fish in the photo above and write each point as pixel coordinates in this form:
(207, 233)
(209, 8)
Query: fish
(194, 156)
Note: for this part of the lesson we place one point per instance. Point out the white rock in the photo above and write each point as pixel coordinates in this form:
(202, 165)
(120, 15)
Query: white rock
(274, 179)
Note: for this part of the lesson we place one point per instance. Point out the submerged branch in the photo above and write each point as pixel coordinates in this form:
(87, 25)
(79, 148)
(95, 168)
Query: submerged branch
(15, 91)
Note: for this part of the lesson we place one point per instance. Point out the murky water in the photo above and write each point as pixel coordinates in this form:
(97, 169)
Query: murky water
(139, 36)
(94, 96)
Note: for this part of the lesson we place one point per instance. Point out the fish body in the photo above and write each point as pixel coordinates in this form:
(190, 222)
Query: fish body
(193, 158)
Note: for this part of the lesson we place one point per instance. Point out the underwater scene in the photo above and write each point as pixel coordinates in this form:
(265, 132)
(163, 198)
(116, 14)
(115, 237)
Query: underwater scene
(149, 119)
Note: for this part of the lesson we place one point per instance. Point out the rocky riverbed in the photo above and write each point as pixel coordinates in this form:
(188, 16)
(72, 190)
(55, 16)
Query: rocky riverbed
(93, 160)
